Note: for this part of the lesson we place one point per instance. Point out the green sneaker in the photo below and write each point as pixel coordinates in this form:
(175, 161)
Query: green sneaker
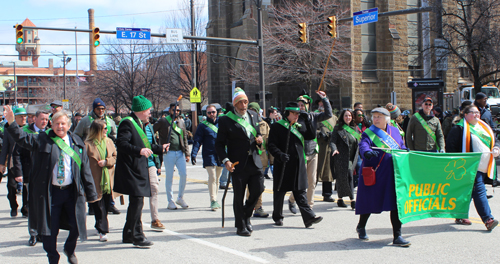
(218, 205)
(214, 205)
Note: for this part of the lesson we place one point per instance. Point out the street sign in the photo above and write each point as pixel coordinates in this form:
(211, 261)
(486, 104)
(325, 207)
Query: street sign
(65, 104)
(174, 35)
(441, 49)
(133, 33)
(365, 16)
(195, 96)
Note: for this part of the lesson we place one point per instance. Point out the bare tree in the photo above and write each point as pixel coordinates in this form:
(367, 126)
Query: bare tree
(289, 60)
(471, 30)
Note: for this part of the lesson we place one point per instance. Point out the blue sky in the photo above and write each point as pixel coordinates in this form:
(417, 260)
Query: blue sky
(109, 14)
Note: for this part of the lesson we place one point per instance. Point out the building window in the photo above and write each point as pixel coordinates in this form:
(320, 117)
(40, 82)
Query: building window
(368, 44)
(414, 42)
(464, 72)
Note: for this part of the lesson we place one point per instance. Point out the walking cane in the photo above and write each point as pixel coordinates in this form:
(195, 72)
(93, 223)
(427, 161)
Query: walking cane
(173, 119)
(286, 152)
(225, 191)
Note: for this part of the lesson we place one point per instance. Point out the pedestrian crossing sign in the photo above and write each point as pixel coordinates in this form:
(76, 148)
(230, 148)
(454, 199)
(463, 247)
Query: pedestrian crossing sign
(195, 95)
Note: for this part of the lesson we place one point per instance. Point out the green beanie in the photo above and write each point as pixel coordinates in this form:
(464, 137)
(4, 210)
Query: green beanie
(140, 103)
(254, 105)
(20, 111)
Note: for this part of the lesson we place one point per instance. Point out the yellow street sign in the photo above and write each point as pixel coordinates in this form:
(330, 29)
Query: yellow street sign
(195, 96)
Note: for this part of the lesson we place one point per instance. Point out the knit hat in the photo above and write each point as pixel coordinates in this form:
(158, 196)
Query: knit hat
(98, 102)
(20, 111)
(480, 96)
(239, 95)
(393, 110)
(254, 105)
(140, 103)
(381, 110)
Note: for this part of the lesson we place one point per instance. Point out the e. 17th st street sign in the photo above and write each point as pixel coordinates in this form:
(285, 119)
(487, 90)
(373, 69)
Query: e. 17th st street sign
(365, 16)
(133, 33)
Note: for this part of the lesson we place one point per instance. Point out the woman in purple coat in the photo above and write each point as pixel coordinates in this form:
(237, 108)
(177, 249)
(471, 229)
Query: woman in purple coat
(380, 196)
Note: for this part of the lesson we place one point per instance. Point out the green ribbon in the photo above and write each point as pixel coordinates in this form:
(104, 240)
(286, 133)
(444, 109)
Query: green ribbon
(211, 126)
(353, 132)
(108, 123)
(294, 131)
(105, 180)
(66, 149)
(427, 128)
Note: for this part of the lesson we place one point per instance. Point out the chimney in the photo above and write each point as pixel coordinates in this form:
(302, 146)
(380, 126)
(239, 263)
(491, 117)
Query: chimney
(51, 64)
(92, 49)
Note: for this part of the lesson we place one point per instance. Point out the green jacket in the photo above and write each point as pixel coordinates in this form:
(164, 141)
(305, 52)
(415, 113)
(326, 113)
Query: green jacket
(417, 137)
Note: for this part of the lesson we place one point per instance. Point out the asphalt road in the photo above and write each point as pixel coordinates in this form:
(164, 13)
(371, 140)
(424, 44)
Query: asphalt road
(194, 235)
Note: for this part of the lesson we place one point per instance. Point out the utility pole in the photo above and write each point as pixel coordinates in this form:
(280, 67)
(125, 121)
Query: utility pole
(64, 74)
(15, 84)
(260, 42)
(194, 68)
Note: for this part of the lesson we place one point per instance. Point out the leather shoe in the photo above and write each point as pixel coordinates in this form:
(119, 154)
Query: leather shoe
(71, 258)
(292, 207)
(249, 225)
(32, 242)
(113, 209)
(24, 211)
(313, 220)
(127, 241)
(361, 233)
(279, 222)
(341, 203)
(328, 199)
(143, 243)
(243, 232)
(13, 212)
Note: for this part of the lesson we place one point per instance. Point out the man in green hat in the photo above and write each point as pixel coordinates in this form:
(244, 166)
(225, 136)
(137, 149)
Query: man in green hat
(132, 175)
(5, 159)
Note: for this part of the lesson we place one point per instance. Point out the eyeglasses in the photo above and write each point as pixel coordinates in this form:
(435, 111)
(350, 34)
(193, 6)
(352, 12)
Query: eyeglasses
(105, 128)
(55, 106)
(474, 112)
(428, 104)
(101, 109)
(361, 115)
(211, 112)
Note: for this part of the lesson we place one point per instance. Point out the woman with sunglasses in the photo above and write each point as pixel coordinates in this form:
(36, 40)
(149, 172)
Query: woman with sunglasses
(424, 131)
(102, 158)
(345, 151)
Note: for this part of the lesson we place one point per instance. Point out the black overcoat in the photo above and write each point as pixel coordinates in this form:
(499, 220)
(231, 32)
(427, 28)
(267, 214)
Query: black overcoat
(340, 165)
(131, 174)
(45, 157)
(295, 176)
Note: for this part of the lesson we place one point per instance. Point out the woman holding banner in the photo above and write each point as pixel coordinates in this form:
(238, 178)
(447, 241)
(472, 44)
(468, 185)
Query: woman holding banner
(344, 141)
(376, 190)
(471, 134)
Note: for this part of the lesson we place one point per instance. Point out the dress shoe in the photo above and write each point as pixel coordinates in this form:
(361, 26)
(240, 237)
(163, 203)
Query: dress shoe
(13, 212)
(32, 242)
(243, 232)
(341, 203)
(353, 205)
(292, 207)
(328, 199)
(24, 211)
(127, 241)
(249, 225)
(143, 243)
(112, 209)
(489, 196)
(400, 241)
(71, 258)
(278, 222)
(361, 233)
(313, 220)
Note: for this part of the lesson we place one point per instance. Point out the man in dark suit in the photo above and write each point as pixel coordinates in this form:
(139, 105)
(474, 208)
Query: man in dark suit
(131, 175)
(62, 182)
(239, 132)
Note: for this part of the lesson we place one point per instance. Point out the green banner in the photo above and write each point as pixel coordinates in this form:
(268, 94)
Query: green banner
(434, 184)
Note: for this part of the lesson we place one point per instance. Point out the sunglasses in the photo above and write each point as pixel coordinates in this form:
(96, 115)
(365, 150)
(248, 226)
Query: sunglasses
(105, 128)
(55, 107)
(361, 115)
(101, 109)
(428, 104)
(211, 112)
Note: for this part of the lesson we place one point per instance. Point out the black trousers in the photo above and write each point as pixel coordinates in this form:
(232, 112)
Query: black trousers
(327, 189)
(396, 224)
(61, 200)
(301, 199)
(32, 220)
(132, 231)
(101, 214)
(12, 193)
(252, 177)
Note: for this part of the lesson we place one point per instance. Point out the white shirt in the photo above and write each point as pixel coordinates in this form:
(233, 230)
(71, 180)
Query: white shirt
(68, 177)
(479, 146)
(36, 128)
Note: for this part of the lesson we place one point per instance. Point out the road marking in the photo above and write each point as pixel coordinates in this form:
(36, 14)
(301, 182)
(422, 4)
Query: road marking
(216, 246)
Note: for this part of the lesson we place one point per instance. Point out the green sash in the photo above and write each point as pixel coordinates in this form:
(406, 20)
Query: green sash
(351, 131)
(401, 132)
(66, 149)
(294, 131)
(177, 129)
(327, 125)
(376, 140)
(211, 126)
(242, 122)
(140, 131)
(484, 137)
(27, 130)
(427, 128)
(108, 123)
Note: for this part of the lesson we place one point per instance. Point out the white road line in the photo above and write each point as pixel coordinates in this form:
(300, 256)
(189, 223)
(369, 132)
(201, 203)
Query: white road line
(219, 247)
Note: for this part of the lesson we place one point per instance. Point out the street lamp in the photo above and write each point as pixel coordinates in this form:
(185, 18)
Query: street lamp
(65, 61)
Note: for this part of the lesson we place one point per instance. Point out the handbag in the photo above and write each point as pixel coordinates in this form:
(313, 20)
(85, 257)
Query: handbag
(369, 174)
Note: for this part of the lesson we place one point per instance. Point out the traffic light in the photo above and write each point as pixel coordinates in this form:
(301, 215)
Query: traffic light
(96, 36)
(303, 32)
(332, 26)
(19, 34)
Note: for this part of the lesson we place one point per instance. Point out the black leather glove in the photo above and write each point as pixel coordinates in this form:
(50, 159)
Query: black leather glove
(193, 160)
(371, 154)
(304, 115)
(284, 157)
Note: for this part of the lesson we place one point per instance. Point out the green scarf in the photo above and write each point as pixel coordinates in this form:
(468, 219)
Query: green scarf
(105, 182)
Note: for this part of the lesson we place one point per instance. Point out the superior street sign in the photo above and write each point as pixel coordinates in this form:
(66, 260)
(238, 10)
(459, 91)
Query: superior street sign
(133, 33)
(174, 35)
(365, 16)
